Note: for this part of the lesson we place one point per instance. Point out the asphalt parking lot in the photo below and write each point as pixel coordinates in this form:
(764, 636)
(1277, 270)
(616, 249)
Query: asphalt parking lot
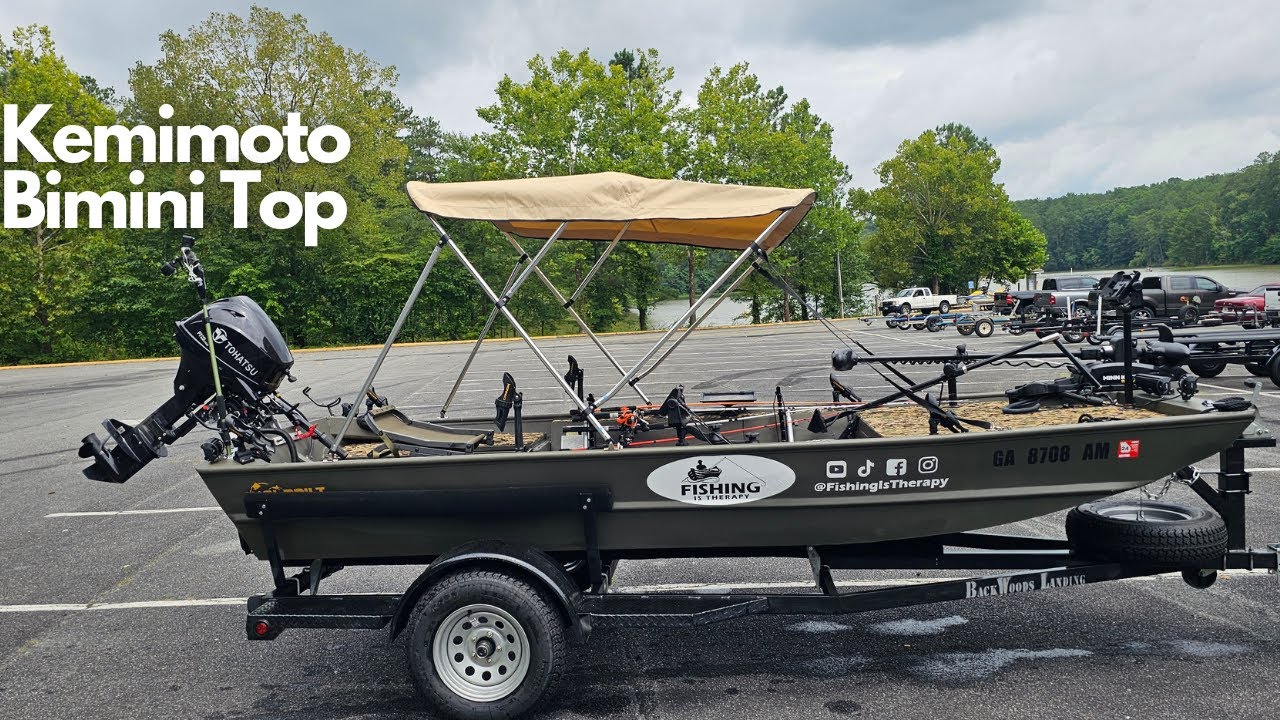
(127, 601)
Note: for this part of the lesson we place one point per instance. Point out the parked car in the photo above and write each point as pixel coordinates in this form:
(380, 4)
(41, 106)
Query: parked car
(1251, 305)
(1182, 296)
(917, 300)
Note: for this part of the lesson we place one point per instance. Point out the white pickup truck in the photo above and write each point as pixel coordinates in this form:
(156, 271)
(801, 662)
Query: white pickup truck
(917, 300)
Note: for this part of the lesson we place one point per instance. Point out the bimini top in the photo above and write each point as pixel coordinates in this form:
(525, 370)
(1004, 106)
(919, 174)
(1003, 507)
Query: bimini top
(598, 205)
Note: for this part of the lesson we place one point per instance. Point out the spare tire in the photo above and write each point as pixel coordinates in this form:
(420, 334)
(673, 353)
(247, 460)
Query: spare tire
(1148, 532)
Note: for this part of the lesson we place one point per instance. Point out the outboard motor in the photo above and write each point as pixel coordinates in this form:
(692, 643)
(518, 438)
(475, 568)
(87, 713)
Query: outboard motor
(252, 360)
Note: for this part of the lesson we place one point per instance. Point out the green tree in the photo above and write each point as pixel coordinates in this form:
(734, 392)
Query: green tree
(47, 273)
(739, 132)
(578, 115)
(255, 69)
(941, 218)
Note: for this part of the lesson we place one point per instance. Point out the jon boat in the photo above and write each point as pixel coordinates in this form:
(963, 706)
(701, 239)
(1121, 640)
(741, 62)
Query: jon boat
(554, 501)
(807, 490)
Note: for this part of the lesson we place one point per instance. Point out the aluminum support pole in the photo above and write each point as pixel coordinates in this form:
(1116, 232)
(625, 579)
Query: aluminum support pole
(567, 305)
(751, 250)
(696, 323)
(573, 297)
(508, 291)
(506, 312)
(391, 338)
(781, 283)
(484, 333)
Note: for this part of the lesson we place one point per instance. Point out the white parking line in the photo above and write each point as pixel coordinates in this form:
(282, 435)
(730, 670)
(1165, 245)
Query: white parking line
(107, 513)
(138, 605)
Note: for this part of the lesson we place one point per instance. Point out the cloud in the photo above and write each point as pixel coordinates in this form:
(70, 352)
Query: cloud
(1076, 96)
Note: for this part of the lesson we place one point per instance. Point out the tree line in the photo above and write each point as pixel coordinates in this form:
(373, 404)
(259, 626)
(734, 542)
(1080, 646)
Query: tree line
(1219, 219)
(87, 294)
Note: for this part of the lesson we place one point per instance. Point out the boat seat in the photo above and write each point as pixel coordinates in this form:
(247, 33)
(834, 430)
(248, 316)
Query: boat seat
(388, 422)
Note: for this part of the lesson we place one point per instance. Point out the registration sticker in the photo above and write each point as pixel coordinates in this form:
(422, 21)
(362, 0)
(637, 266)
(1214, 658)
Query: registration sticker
(1128, 449)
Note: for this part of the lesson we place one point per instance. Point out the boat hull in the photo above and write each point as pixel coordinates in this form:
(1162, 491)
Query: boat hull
(821, 492)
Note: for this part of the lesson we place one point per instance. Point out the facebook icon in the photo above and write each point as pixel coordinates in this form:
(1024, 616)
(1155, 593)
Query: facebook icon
(895, 467)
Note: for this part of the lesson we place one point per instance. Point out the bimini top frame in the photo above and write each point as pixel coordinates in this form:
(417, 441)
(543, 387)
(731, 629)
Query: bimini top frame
(603, 207)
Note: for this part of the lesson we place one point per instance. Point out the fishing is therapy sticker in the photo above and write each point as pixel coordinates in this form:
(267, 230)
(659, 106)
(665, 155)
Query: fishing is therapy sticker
(715, 480)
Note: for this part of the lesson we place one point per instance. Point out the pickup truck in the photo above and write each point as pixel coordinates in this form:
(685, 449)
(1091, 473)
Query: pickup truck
(1074, 287)
(917, 300)
(1060, 295)
(1181, 296)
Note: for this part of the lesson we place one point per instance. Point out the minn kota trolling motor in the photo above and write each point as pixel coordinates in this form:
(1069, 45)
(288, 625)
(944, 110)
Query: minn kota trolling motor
(232, 361)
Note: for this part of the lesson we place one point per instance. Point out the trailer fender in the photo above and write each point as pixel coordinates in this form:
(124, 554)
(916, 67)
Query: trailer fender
(531, 563)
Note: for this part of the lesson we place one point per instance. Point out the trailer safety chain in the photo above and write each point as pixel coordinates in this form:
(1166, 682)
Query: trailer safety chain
(1185, 476)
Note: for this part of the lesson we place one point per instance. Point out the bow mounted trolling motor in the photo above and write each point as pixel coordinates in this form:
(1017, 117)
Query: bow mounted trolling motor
(252, 361)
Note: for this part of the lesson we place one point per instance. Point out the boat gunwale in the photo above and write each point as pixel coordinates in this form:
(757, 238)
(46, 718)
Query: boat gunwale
(1166, 421)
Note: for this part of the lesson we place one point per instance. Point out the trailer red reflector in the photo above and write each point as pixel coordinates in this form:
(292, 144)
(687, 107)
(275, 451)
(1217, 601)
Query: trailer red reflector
(261, 628)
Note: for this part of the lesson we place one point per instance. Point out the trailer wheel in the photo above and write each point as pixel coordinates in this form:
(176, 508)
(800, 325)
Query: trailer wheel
(904, 323)
(1273, 369)
(964, 328)
(933, 323)
(1189, 314)
(984, 328)
(1206, 368)
(486, 644)
(892, 323)
(1256, 369)
(1153, 532)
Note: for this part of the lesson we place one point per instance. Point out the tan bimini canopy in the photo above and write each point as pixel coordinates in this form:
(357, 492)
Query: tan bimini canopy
(597, 206)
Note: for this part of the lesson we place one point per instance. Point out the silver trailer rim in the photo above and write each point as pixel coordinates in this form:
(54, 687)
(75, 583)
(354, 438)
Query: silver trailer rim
(1139, 512)
(481, 653)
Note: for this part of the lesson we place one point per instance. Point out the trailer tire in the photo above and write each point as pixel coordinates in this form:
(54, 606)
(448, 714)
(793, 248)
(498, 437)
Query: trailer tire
(1189, 314)
(1168, 534)
(513, 655)
(1206, 368)
(933, 323)
(964, 328)
(1273, 369)
(904, 323)
(892, 323)
(1256, 369)
(984, 328)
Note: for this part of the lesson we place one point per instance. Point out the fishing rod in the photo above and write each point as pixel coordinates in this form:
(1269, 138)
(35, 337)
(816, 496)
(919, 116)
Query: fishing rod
(195, 275)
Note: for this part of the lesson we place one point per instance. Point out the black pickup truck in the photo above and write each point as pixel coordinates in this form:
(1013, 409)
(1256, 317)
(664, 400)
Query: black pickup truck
(1181, 296)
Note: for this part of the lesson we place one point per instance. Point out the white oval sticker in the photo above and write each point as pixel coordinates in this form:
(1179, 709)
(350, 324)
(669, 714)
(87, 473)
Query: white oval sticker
(721, 479)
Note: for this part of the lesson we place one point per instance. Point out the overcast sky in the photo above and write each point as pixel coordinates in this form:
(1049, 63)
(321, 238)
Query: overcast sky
(1076, 96)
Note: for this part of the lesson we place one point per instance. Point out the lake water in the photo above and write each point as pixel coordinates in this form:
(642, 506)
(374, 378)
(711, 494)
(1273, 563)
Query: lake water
(730, 312)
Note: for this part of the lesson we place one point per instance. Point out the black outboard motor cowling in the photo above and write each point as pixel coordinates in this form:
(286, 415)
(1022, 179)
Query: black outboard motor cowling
(253, 360)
